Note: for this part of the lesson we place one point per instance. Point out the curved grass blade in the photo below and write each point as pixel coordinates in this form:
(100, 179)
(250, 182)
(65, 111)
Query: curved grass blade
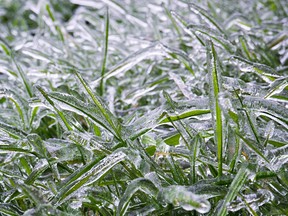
(17, 101)
(267, 73)
(81, 177)
(214, 78)
(142, 184)
(12, 148)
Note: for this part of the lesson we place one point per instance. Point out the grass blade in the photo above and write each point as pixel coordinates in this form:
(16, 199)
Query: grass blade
(214, 76)
(234, 188)
(103, 68)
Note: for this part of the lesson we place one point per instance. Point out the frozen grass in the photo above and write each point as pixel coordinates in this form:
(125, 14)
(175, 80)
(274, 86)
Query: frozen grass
(115, 108)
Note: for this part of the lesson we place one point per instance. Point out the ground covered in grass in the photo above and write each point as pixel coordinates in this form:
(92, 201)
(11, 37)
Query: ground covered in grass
(116, 107)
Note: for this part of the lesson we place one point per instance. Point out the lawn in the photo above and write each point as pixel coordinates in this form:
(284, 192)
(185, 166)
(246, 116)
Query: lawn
(126, 107)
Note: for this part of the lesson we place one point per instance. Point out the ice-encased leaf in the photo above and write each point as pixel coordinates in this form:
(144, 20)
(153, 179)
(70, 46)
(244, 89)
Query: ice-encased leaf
(198, 10)
(20, 103)
(142, 184)
(236, 185)
(82, 177)
(181, 196)
(156, 49)
(71, 103)
(254, 200)
(62, 116)
(112, 121)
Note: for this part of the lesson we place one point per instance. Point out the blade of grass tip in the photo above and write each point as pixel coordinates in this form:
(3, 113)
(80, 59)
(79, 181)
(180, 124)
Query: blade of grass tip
(172, 21)
(183, 24)
(57, 27)
(195, 8)
(105, 53)
(98, 104)
(23, 77)
(234, 188)
(5, 49)
(214, 101)
(61, 114)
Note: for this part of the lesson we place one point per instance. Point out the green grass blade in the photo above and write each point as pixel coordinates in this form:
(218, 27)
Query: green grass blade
(214, 76)
(99, 105)
(103, 68)
(23, 77)
(81, 177)
(234, 188)
(184, 115)
(61, 114)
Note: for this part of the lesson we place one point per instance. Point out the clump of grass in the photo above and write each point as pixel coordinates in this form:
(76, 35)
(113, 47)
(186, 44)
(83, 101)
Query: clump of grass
(120, 109)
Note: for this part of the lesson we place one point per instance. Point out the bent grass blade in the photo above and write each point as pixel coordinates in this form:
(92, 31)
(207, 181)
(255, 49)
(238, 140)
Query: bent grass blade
(142, 184)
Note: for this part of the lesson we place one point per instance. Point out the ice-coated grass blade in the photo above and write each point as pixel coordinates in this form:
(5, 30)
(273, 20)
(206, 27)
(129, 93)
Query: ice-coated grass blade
(57, 27)
(266, 72)
(81, 177)
(12, 131)
(156, 49)
(141, 184)
(184, 115)
(252, 146)
(18, 102)
(61, 114)
(205, 14)
(70, 103)
(214, 77)
(103, 68)
(99, 105)
(11, 148)
(23, 76)
(10, 209)
(234, 188)
(194, 154)
(180, 196)
(276, 89)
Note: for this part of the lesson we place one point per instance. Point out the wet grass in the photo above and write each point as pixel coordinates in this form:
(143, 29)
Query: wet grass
(115, 108)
